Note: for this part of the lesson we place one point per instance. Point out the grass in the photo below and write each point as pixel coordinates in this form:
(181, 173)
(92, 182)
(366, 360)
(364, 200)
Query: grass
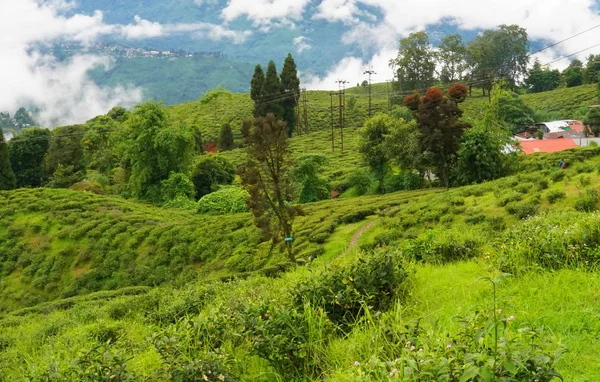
(80, 269)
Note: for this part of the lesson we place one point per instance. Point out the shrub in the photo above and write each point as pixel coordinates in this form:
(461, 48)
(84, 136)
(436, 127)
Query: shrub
(522, 210)
(510, 198)
(210, 172)
(489, 346)
(228, 200)
(553, 196)
(178, 185)
(181, 203)
(361, 180)
(373, 280)
(475, 219)
(542, 184)
(557, 176)
(588, 201)
(496, 223)
(524, 188)
(404, 181)
(584, 181)
(440, 246)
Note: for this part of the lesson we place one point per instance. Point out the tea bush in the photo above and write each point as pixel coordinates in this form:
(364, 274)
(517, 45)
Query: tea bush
(440, 246)
(522, 210)
(553, 196)
(587, 201)
(369, 281)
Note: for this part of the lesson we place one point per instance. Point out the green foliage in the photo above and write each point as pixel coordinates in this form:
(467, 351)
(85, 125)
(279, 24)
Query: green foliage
(522, 210)
(542, 79)
(64, 177)
(415, 64)
(156, 150)
(441, 246)
(489, 346)
(226, 138)
(227, 200)
(290, 88)
(587, 201)
(406, 180)
(177, 185)
(65, 149)
(272, 93)
(209, 172)
(27, 150)
(8, 181)
(573, 75)
(312, 186)
(361, 180)
(592, 119)
(480, 156)
(372, 281)
(554, 195)
(372, 148)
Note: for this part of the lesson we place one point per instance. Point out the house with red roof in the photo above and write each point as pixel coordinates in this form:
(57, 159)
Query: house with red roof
(547, 145)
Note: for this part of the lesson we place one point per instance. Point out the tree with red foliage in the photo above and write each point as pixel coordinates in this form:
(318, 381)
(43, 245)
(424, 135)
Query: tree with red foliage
(440, 128)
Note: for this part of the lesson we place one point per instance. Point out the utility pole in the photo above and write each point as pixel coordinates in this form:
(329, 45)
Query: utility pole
(332, 130)
(341, 92)
(304, 103)
(370, 72)
(299, 130)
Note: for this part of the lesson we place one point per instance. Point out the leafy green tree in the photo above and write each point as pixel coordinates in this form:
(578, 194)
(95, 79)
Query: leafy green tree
(272, 102)
(573, 75)
(177, 185)
(452, 55)
(8, 181)
(592, 120)
(513, 113)
(103, 144)
(118, 114)
(156, 150)
(257, 91)
(499, 54)
(226, 138)
(23, 119)
(27, 151)
(66, 150)
(312, 186)
(480, 156)
(592, 69)
(415, 63)
(372, 146)
(401, 146)
(440, 127)
(267, 175)
(210, 172)
(290, 86)
(541, 79)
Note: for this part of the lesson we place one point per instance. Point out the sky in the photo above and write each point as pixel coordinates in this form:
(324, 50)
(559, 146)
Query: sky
(66, 95)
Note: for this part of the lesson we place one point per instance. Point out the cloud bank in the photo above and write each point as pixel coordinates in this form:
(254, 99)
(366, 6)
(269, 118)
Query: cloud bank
(63, 90)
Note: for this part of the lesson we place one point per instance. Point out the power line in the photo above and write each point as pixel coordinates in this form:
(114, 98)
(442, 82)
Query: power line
(370, 72)
(561, 41)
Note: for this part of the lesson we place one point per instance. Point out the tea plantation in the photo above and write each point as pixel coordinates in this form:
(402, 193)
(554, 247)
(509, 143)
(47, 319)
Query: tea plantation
(497, 281)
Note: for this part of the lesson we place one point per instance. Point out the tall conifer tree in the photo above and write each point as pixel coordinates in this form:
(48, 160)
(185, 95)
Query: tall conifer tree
(290, 86)
(272, 93)
(257, 90)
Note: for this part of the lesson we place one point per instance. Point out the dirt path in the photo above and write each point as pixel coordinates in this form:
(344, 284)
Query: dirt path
(357, 235)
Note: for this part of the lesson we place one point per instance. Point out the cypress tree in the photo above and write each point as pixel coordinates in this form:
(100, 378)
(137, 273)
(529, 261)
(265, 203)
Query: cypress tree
(226, 138)
(272, 92)
(8, 181)
(290, 86)
(257, 90)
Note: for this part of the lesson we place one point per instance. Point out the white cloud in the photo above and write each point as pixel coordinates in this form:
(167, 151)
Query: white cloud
(265, 12)
(301, 44)
(551, 20)
(63, 90)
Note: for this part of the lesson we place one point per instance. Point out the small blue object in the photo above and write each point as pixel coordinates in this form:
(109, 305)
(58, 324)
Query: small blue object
(288, 239)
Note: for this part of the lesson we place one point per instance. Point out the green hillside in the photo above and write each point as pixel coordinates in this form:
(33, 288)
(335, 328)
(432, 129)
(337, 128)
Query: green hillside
(343, 316)
(175, 81)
